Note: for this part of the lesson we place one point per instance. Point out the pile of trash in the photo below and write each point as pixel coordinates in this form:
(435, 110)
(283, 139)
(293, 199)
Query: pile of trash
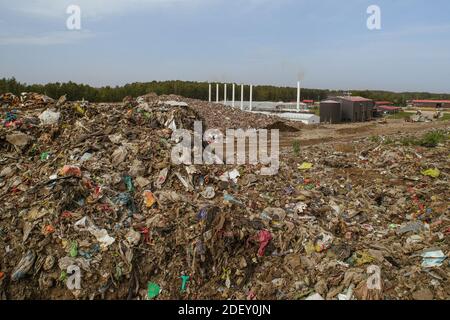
(93, 208)
(218, 116)
(26, 100)
(420, 117)
(9, 99)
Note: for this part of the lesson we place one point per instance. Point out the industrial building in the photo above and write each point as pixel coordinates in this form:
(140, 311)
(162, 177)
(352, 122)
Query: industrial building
(430, 103)
(330, 111)
(351, 109)
(356, 109)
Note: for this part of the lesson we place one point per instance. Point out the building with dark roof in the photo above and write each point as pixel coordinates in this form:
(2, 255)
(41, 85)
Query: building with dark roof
(330, 111)
(352, 109)
(356, 109)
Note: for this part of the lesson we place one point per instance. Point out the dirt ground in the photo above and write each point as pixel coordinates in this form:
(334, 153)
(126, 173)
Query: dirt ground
(350, 131)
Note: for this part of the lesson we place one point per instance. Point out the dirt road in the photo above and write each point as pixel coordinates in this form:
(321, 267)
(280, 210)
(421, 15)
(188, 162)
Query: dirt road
(348, 132)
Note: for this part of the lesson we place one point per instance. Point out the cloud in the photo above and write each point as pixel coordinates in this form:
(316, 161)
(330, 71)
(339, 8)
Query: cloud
(92, 8)
(102, 8)
(63, 37)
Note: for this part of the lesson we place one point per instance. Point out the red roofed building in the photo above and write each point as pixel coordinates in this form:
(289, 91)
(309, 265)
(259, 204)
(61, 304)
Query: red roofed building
(388, 109)
(383, 103)
(431, 103)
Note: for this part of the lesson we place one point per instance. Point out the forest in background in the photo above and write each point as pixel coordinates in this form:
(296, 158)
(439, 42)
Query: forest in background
(198, 90)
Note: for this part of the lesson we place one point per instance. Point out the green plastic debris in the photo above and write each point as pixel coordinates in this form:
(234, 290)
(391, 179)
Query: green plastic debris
(73, 249)
(129, 183)
(434, 173)
(118, 274)
(183, 284)
(153, 290)
(63, 276)
(309, 187)
(45, 156)
(305, 166)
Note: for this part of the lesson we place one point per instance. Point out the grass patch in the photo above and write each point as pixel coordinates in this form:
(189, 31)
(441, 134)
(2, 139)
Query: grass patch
(433, 138)
(296, 147)
(375, 139)
(445, 117)
(388, 140)
(429, 140)
(400, 115)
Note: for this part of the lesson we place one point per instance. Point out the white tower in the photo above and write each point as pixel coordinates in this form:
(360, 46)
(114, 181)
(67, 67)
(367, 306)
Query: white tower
(225, 94)
(234, 93)
(217, 93)
(242, 97)
(251, 96)
(209, 93)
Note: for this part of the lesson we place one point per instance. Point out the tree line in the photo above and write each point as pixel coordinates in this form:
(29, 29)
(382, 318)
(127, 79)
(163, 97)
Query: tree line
(197, 90)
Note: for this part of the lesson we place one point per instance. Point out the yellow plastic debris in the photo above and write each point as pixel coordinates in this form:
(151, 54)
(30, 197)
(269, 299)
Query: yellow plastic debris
(79, 109)
(363, 257)
(305, 166)
(434, 173)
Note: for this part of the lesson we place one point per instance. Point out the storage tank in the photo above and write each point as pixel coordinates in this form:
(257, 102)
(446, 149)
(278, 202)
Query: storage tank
(330, 111)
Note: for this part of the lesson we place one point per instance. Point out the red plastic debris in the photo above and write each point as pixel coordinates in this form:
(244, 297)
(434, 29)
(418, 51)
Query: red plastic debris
(70, 171)
(66, 215)
(264, 238)
(145, 232)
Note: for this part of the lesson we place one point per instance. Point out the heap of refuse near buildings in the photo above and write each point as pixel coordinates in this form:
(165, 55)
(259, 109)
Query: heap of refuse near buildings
(92, 186)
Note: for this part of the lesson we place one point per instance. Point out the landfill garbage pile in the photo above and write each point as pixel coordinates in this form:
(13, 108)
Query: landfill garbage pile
(9, 99)
(26, 100)
(218, 116)
(93, 208)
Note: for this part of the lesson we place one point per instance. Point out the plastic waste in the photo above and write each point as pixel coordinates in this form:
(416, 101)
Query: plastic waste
(230, 175)
(264, 238)
(101, 235)
(69, 170)
(433, 258)
(149, 198)
(305, 166)
(315, 296)
(434, 173)
(153, 290)
(49, 117)
(162, 176)
(24, 265)
(208, 193)
(231, 199)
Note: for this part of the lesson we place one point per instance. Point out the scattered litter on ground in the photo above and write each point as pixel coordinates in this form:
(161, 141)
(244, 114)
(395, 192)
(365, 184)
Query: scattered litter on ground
(92, 186)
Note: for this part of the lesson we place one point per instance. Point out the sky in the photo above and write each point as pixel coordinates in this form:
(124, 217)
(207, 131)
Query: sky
(324, 43)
